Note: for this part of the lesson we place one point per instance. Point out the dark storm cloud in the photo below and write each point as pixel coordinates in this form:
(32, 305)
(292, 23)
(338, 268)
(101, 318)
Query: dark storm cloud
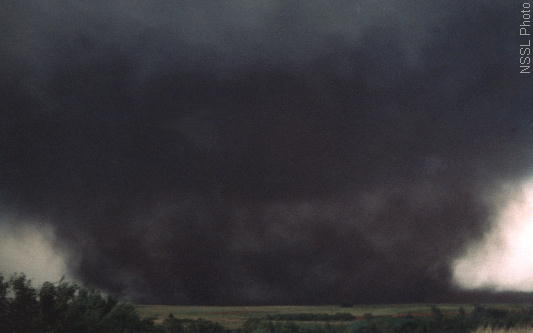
(262, 152)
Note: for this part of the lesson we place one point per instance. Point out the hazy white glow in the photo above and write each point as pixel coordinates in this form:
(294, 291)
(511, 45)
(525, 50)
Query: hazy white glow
(29, 248)
(503, 260)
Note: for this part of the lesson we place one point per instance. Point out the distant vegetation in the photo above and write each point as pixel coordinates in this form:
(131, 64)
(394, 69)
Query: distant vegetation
(174, 325)
(68, 308)
(480, 320)
(503, 330)
(312, 317)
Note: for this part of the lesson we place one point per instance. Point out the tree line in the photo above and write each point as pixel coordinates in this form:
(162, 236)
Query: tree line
(312, 317)
(65, 307)
(434, 322)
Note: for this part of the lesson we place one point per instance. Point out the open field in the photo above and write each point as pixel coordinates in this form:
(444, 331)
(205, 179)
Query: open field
(235, 316)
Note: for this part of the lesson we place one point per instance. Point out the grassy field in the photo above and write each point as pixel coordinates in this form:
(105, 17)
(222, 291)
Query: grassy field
(234, 316)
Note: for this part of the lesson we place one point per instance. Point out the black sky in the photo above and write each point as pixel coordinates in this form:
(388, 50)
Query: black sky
(237, 152)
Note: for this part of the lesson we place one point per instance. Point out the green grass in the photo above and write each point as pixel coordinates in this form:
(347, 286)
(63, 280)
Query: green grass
(234, 316)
